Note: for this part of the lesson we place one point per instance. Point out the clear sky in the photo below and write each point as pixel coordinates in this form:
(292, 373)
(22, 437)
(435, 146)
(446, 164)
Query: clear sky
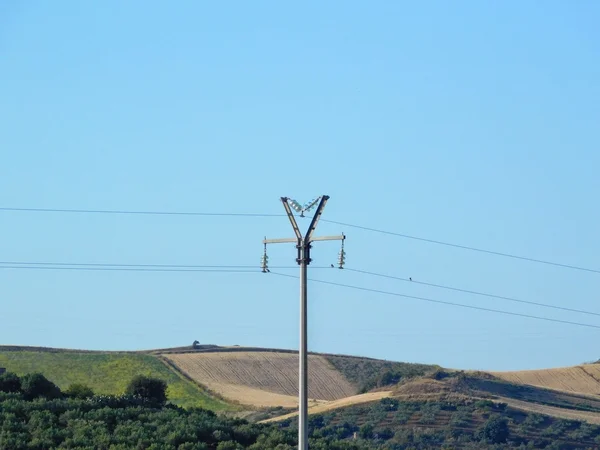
(469, 122)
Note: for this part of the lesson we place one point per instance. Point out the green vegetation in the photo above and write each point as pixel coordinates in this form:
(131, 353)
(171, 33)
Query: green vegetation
(150, 389)
(394, 425)
(80, 391)
(108, 373)
(38, 416)
(479, 384)
(34, 385)
(367, 374)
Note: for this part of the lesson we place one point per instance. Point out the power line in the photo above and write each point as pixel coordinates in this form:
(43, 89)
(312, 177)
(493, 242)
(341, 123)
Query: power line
(466, 291)
(32, 265)
(182, 266)
(146, 213)
(442, 302)
(138, 267)
(360, 227)
(131, 269)
(464, 247)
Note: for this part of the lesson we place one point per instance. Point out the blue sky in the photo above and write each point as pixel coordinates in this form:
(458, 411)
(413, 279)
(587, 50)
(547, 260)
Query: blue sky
(469, 122)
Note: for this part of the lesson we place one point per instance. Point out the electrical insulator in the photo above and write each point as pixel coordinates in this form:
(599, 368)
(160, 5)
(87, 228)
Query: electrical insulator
(341, 258)
(310, 205)
(302, 209)
(295, 205)
(264, 261)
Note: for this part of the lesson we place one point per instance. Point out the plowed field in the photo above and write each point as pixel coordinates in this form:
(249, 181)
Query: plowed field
(584, 379)
(263, 378)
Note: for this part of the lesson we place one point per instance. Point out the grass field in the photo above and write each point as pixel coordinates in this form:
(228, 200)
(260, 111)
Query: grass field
(108, 373)
(262, 378)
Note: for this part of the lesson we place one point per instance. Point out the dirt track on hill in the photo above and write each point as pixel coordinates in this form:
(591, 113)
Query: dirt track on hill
(262, 378)
(342, 403)
(563, 413)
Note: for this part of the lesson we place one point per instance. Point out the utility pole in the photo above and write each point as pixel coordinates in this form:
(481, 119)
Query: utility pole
(303, 244)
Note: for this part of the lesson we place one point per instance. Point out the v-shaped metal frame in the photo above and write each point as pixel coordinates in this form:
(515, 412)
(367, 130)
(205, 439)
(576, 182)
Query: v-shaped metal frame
(308, 237)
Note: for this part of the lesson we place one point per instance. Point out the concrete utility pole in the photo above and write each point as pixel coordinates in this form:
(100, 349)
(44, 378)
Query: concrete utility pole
(304, 244)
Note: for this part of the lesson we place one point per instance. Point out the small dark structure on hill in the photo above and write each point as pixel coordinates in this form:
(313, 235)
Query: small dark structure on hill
(196, 344)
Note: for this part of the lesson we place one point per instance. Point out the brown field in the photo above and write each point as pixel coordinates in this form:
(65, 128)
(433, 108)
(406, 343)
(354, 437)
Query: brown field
(262, 378)
(584, 379)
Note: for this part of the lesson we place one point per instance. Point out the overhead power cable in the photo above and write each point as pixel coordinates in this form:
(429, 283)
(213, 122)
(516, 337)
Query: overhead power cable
(138, 267)
(464, 247)
(467, 291)
(234, 268)
(130, 269)
(32, 265)
(442, 302)
(346, 224)
(146, 213)
(181, 266)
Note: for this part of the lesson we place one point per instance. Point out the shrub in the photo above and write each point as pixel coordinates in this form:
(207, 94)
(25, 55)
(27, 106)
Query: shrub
(440, 374)
(385, 434)
(37, 385)
(9, 382)
(495, 430)
(151, 389)
(461, 419)
(366, 431)
(389, 404)
(558, 428)
(533, 420)
(484, 404)
(80, 391)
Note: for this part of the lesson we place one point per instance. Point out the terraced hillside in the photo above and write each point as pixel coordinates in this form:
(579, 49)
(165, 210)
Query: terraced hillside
(217, 378)
(584, 379)
(476, 388)
(262, 378)
(449, 424)
(107, 373)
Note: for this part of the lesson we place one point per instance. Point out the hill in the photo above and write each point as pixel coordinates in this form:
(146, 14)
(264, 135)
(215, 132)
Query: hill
(262, 378)
(268, 378)
(107, 373)
(583, 378)
(457, 424)
(446, 417)
(464, 387)
(264, 381)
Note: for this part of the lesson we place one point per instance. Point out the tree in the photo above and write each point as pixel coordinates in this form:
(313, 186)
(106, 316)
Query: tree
(80, 391)
(151, 389)
(388, 378)
(229, 445)
(36, 385)
(366, 431)
(495, 430)
(9, 382)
